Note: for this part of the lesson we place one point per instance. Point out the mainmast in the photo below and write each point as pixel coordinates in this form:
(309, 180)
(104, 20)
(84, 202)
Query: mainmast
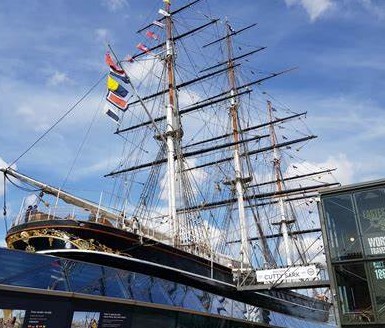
(244, 251)
(284, 221)
(173, 130)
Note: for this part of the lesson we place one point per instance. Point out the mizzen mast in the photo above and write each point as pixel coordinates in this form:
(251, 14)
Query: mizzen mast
(283, 221)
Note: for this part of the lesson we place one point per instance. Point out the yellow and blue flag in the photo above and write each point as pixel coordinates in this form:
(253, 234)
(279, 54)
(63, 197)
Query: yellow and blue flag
(115, 87)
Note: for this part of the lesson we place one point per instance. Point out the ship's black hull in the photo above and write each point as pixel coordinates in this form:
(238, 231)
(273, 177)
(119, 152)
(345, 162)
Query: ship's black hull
(114, 240)
(125, 250)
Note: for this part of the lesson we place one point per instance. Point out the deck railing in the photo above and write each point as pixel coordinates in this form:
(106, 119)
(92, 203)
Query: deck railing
(34, 213)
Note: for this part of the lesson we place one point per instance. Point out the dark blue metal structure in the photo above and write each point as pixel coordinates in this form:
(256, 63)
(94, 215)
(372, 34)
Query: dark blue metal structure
(28, 280)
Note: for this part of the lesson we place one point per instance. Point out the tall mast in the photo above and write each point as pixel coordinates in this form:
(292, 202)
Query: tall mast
(244, 251)
(173, 125)
(283, 222)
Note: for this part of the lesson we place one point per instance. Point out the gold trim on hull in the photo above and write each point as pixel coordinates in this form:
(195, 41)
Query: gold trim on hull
(52, 234)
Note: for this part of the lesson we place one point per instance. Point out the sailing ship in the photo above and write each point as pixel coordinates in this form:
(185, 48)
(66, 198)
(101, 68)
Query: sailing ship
(204, 195)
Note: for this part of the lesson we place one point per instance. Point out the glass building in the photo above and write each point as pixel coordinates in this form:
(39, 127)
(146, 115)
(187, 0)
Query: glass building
(353, 223)
(46, 291)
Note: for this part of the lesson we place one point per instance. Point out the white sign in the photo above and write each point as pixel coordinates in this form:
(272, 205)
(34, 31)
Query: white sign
(376, 244)
(291, 274)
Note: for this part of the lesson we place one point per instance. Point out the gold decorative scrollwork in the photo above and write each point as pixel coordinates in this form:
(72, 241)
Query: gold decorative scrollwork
(81, 243)
(30, 249)
(51, 235)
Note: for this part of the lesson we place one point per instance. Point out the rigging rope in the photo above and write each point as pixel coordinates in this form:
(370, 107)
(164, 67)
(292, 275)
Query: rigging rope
(20, 187)
(5, 206)
(60, 119)
(82, 145)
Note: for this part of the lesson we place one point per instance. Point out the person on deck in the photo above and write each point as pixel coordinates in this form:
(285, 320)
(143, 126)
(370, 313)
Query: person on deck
(27, 213)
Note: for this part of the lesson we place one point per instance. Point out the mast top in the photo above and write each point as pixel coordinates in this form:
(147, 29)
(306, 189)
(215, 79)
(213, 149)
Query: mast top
(170, 12)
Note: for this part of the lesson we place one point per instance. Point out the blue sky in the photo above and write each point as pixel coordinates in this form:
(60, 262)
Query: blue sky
(51, 52)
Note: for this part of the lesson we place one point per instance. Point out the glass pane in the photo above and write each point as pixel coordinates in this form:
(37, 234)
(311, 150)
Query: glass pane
(87, 279)
(29, 270)
(342, 229)
(377, 271)
(353, 293)
(371, 212)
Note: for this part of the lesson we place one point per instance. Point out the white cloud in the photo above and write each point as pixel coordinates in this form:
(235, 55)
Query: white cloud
(58, 78)
(187, 98)
(33, 118)
(314, 8)
(104, 165)
(2, 164)
(145, 73)
(28, 117)
(345, 168)
(102, 34)
(376, 9)
(40, 107)
(344, 173)
(350, 129)
(115, 5)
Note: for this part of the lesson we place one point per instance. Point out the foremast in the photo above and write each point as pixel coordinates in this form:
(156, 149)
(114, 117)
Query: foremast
(239, 179)
(173, 129)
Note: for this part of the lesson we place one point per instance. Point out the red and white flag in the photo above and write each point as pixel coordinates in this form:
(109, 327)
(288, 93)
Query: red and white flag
(142, 47)
(152, 35)
(164, 13)
(117, 101)
(157, 23)
(110, 62)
